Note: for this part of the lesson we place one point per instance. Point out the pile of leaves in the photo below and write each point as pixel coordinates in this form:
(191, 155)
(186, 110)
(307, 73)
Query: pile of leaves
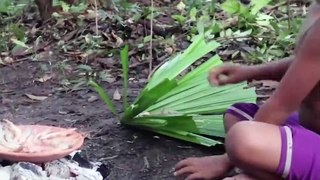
(185, 106)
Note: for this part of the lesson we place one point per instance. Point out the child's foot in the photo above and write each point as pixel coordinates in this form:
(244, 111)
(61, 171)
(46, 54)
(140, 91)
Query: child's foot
(240, 177)
(203, 168)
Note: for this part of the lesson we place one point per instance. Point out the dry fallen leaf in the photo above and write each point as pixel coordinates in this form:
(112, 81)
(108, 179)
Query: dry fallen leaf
(116, 95)
(92, 98)
(169, 50)
(70, 35)
(119, 41)
(1, 61)
(38, 98)
(181, 6)
(8, 60)
(45, 78)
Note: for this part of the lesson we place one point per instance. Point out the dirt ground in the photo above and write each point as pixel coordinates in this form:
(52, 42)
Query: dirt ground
(129, 154)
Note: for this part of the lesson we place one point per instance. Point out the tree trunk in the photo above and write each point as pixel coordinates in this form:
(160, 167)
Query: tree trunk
(45, 8)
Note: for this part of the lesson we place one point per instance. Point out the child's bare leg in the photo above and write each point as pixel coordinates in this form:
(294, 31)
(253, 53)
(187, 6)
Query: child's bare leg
(247, 145)
(249, 148)
(220, 165)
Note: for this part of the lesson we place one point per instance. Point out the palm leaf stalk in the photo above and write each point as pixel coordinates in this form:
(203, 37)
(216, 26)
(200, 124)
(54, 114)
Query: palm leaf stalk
(185, 107)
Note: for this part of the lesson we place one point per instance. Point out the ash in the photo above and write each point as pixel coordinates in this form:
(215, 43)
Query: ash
(72, 167)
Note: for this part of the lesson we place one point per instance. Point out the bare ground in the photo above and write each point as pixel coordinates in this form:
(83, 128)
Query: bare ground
(128, 153)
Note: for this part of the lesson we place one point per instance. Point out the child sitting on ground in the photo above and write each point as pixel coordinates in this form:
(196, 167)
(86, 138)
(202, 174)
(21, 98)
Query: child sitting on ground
(279, 139)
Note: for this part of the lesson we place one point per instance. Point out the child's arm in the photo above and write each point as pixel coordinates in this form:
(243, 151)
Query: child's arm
(301, 77)
(238, 73)
(270, 71)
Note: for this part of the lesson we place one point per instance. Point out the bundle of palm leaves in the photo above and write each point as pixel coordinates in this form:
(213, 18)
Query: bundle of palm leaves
(185, 106)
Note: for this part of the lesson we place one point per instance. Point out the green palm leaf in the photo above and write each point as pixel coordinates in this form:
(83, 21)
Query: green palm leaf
(184, 107)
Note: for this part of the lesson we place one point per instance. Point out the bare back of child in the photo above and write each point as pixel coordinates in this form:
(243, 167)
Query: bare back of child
(279, 139)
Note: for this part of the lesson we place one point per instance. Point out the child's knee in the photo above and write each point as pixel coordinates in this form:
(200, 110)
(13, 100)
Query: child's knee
(240, 141)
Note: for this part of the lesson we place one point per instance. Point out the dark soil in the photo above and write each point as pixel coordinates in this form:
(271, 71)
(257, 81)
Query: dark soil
(128, 153)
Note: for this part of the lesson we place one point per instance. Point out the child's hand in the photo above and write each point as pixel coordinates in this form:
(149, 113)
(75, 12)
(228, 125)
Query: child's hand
(228, 74)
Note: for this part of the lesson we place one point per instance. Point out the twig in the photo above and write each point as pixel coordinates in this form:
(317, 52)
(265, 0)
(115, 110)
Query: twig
(276, 6)
(108, 158)
(289, 15)
(239, 37)
(151, 34)
(284, 18)
(282, 4)
(157, 67)
(96, 12)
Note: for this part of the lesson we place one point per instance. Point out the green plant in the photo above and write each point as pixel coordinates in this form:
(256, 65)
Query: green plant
(185, 107)
(13, 7)
(10, 29)
(78, 8)
(264, 35)
(271, 34)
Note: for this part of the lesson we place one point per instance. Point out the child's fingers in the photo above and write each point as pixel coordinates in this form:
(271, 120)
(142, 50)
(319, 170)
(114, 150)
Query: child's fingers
(185, 170)
(183, 163)
(194, 176)
(214, 76)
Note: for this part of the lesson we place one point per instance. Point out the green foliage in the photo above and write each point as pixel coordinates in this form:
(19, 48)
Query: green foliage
(269, 36)
(186, 106)
(125, 68)
(105, 97)
(4, 6)
(13, 7)
(9, 30)
(15, 34)
(235, 7)
(231, 6)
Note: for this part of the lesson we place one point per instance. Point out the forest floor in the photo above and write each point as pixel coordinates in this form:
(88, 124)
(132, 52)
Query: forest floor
(48, 85)
(128, 153)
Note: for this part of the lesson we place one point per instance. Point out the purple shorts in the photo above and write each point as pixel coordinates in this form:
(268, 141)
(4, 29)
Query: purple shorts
(300, 147)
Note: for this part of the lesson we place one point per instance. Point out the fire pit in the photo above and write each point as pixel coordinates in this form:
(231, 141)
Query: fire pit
(71, 167)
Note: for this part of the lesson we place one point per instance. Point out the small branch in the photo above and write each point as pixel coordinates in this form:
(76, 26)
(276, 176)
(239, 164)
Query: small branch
(282, 4)
(289, 14)
(239, 37)
(151, 34)
(96, 12)
(276, 6)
